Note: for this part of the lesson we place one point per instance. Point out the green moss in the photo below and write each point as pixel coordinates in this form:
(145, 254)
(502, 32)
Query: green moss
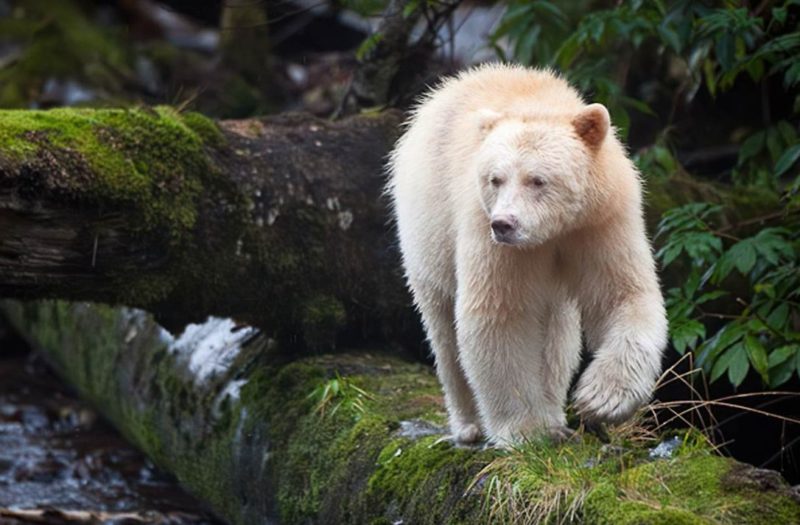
(594, 485)
(334, 465)
(427, 478)
(205, 128)
(153, 165)
(148, 160)
(605, 508)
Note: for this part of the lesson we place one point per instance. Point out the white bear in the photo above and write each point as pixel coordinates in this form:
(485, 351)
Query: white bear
(520, 223)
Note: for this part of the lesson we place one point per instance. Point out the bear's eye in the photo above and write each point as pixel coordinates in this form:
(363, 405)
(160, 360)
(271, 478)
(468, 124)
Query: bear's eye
(495, 181)
(537, 181)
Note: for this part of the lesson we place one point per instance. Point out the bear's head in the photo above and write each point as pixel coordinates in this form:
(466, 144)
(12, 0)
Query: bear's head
(534, 172)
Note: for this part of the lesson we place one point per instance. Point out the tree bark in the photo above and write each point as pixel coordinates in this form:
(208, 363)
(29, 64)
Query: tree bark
(279, 222)
(357, 438)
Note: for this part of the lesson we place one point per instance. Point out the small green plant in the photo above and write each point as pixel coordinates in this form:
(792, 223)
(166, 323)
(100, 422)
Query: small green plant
(340, 393)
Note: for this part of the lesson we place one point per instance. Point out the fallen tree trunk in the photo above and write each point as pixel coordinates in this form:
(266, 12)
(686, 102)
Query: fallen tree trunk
(356, 438)
(277, 222)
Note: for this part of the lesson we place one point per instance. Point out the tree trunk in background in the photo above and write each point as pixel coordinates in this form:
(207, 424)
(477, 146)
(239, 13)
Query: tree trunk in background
(259, 440)
(245, 44)
(277, 222)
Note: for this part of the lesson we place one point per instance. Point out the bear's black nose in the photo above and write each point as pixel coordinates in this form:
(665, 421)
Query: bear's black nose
(503, 226)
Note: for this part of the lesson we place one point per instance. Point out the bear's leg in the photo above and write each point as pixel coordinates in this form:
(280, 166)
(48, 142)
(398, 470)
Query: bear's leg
(438, 317)
(561, 353)
(629, 339)
(505, 366)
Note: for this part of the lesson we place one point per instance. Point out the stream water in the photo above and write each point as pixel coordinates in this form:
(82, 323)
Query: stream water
(61, 463)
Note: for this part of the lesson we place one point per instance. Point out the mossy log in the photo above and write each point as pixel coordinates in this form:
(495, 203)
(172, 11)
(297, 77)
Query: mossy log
(357, 438)
(277, 222)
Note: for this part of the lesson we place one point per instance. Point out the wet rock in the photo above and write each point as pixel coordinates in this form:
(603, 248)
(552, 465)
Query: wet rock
(666, 448)
(744, 476)
(417, 428)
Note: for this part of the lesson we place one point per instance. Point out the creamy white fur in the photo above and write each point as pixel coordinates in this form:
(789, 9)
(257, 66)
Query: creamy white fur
(505, 318)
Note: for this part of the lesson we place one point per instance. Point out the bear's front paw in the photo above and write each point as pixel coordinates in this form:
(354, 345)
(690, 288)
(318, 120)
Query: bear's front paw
(601, 396)
(465, 432)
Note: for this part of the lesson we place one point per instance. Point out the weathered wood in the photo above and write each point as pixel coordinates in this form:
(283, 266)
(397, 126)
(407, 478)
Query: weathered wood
(276, 221)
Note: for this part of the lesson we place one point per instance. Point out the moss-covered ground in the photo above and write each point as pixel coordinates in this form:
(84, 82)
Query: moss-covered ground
(357, 438)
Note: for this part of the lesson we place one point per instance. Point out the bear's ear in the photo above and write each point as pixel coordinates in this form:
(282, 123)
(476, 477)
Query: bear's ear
(487, 119)
(592, 124)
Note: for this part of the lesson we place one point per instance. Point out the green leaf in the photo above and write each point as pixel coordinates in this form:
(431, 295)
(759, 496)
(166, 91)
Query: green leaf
(726, 336)
(739, 365)
(702, 246)
(797, 362)
(710, 296)
(779, 14)
(722, 268)
(711, 78)
(781, 373)
(721, 365)
(566, 54)
(725, 50)
(410, 7)
(757, 355)
(669, 253)
(792, 77)
(752, 146)
(670, 37)
(782, 355)
(787, 131)
(686, 335)
(787, 160)
(664, 158)
(774, 144)
(744, 255)
(778, 317)
(596, 29)
(368, 45)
